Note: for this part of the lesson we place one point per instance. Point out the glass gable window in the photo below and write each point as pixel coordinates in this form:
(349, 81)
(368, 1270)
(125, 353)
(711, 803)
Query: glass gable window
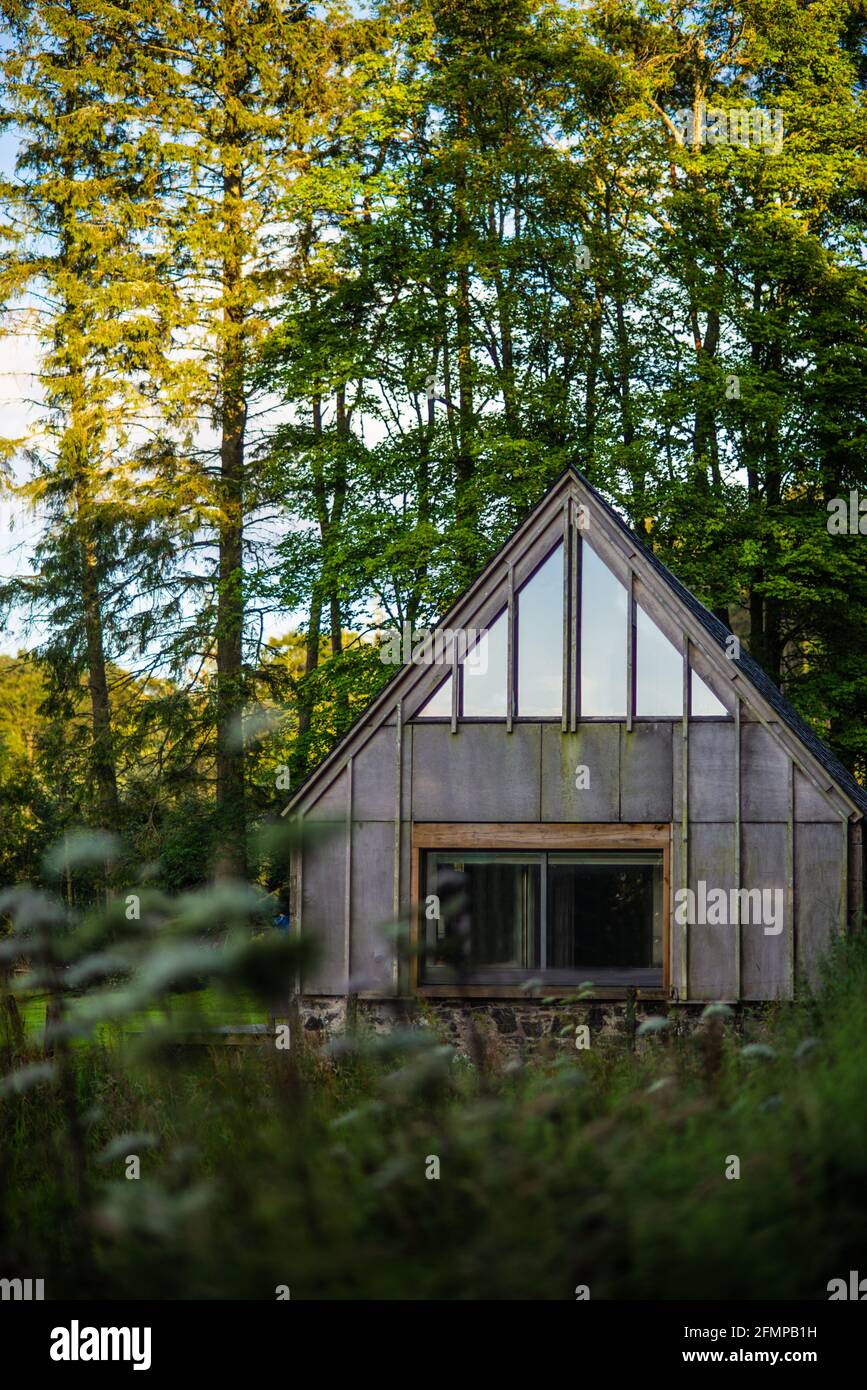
(484, 673)
(505, 917)
(702, 700)
(540, 640)
(603, 638)
(598, 656)
(658, 670)
(439, 706)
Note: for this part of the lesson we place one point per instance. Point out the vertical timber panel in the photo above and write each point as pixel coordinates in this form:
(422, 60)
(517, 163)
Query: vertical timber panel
(564, 685)
(739, 973)
(790, 882)
(373, 953)
(574, 649)
(683, 982)
(712, 943)
(630, 649)
(299, 893)
(398, 826)
(820, 876)
(856, 874)
(347, 900)
(510, 652)
(765, 956)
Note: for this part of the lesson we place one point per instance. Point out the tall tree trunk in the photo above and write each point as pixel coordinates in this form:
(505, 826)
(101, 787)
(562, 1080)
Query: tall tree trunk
(231, 847)
(102, 755)
(464, 463)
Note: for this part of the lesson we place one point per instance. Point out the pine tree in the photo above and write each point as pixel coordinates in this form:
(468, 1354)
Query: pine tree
(80, 264)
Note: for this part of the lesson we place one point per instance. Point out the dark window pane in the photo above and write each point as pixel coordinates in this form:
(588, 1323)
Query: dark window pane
(603, 913)
(488, 912)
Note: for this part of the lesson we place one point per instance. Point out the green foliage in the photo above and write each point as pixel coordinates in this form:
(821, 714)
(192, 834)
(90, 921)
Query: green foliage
(307, 1166)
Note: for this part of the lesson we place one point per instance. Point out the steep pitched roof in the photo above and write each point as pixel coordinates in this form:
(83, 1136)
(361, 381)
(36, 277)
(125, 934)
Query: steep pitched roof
(754, 673)
(711, 625)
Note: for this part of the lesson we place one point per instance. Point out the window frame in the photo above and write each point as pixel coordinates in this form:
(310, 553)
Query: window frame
(571, 715)
(549, 837)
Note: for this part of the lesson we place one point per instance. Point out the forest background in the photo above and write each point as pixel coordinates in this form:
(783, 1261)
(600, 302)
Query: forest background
(322, 298)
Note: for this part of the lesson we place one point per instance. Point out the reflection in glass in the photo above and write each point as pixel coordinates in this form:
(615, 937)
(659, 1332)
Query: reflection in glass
(484, 671)
(658, 670)
(487, 912)
(603, 911)
(439, 706)
(603, 638)
(539, 632)
(702, 699)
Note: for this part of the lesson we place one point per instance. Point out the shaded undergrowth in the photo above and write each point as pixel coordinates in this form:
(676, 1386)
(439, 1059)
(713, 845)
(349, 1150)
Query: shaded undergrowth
(311, 1166)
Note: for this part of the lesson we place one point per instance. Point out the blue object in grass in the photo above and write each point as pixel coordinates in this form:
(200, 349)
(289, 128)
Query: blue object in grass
(282, 922)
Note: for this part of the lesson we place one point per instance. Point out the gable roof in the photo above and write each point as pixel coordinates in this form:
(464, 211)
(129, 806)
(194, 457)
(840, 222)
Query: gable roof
(755, 676)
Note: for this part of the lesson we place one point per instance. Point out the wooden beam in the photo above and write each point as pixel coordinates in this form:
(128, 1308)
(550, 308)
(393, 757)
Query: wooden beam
(398, 809)
(510, 652)
(470, 835)
(456, 675)
(683, 984)
(737, 905)
(347, 887)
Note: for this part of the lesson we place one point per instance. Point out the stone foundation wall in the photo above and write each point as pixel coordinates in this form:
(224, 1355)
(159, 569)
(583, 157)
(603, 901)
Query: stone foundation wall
(513, 1025)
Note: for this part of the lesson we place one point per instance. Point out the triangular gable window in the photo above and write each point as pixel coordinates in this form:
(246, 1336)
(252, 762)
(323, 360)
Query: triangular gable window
(540, 640)
(658, 670)
(484, 673)
(702, 700)
(602, 649)
(439, 706)
(603, 639)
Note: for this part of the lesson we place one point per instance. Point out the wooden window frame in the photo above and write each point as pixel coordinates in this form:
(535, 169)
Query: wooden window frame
(532, 836)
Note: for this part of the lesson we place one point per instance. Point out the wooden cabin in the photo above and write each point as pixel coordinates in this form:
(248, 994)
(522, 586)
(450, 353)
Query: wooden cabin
(579, 784)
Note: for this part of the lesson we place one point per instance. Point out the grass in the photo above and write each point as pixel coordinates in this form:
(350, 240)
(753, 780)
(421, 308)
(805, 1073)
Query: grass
(214, 1008)
(308, 1169)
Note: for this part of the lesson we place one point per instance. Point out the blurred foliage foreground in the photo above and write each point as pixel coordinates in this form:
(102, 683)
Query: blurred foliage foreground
(310, 1167)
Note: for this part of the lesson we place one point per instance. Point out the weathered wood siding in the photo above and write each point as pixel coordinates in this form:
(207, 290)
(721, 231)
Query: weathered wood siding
(753, 821)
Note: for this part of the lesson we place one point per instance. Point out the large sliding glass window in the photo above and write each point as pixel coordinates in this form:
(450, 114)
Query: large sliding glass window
(502, 917)
(482, 913)
(604, 912)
